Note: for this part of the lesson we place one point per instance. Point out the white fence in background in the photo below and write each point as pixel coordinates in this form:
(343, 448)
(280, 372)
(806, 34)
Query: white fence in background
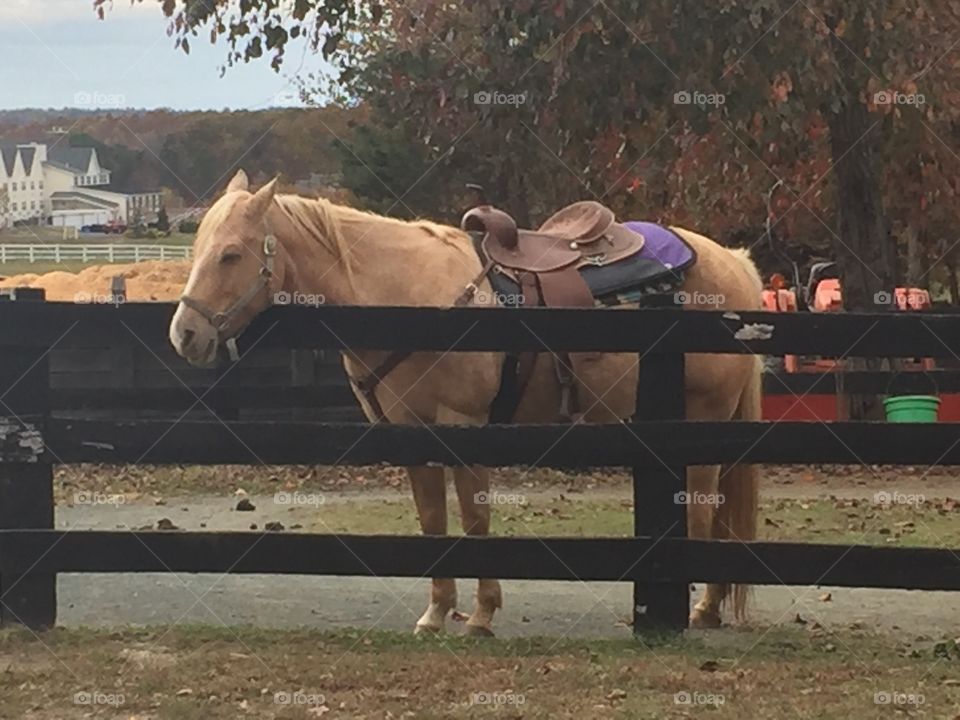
(111, 253)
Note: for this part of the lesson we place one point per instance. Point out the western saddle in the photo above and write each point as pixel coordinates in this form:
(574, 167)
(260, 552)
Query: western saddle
(546, 265)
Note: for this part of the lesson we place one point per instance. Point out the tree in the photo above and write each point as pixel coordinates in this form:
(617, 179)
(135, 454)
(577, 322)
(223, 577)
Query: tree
(163, 220)
(601, 89)
(4, 207)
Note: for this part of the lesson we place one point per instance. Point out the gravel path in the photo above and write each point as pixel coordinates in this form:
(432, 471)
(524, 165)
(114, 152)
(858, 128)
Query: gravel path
(531, 607)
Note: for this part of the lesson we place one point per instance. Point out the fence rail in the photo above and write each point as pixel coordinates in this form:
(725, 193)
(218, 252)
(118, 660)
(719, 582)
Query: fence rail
(658, 445)
(75, 252)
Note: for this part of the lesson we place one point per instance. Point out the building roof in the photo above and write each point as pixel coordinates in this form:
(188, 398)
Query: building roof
(84, 197)
(8, 155)
(72, 158)
(128, 189)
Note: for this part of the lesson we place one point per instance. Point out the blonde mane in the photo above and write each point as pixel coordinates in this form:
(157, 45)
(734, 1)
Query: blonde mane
(324, 221)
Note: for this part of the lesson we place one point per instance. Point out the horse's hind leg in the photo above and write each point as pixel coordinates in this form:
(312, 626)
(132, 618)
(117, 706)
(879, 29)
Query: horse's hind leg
(430, 495)
(702, 490)
(473, 492)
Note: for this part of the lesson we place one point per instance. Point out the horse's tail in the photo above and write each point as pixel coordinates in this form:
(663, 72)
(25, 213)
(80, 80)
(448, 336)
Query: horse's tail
(736, 517)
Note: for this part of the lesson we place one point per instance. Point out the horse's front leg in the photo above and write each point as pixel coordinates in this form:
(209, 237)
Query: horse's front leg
(430, 495)
(473, 492)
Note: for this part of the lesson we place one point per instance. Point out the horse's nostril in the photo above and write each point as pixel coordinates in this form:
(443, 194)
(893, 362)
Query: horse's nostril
(187, 338)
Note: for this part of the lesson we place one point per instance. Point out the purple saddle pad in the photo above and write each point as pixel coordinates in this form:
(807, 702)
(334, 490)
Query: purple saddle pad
(662, 245)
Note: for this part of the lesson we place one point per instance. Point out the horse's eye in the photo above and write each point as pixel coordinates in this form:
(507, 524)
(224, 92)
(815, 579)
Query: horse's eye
(229, 257)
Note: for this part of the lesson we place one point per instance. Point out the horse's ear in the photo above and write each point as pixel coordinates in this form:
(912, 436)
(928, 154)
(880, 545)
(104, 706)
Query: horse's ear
(240, 182)
(262, 199)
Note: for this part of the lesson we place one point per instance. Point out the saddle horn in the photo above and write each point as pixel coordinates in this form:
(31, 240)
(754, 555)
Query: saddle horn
(496, 223)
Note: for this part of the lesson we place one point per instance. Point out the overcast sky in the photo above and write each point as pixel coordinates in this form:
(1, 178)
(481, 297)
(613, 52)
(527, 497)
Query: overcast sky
(56, 53)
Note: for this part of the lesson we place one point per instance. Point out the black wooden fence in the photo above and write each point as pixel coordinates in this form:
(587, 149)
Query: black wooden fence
(658, 444)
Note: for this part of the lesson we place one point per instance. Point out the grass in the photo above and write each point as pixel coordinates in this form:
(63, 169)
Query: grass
(54, 236)
(817, 521)
(182, 673)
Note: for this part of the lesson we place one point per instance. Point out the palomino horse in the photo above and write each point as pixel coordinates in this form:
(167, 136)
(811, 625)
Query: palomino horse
(252, 245)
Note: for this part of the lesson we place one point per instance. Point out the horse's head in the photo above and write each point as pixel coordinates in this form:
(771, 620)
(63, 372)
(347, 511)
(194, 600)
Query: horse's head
(234, 275)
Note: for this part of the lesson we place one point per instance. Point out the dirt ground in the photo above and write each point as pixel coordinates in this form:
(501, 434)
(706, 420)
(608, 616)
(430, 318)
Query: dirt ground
(808, 481)
(151, 280)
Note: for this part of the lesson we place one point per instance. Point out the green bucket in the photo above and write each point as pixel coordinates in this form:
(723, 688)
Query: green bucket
(912, 408)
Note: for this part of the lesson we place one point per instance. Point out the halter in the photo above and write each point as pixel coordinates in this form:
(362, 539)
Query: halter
(221, 320)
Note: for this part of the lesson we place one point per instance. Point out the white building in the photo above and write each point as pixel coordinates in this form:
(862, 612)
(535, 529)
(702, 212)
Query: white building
(65, 186)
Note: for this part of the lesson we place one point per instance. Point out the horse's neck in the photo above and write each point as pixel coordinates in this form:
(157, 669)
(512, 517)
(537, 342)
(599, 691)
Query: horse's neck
(387, 264)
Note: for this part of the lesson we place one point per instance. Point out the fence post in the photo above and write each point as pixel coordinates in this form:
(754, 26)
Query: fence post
(26, 471)
(657, 513)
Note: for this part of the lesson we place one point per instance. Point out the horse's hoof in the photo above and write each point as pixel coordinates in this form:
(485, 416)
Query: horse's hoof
(427, 630)
(704, 620)
(478, 631)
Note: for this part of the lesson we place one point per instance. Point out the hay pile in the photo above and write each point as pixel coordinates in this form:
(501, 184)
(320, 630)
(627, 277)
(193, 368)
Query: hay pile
(149, 280)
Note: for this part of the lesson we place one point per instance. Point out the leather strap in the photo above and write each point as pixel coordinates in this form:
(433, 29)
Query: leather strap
(368, 385)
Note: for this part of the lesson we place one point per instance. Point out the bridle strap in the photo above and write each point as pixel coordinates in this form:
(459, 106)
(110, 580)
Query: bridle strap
(367, 386)
(221, 320)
